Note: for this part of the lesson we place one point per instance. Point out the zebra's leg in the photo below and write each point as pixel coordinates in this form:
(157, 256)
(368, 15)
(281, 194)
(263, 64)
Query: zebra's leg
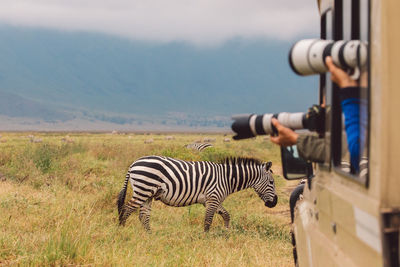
(144, 214)
(128, 208)
(224, 214)
(211, 207)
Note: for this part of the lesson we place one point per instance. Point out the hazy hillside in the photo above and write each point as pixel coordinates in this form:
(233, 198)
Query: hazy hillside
(61, 75)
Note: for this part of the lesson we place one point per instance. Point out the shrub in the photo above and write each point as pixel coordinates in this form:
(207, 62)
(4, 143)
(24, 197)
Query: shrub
(43, 157)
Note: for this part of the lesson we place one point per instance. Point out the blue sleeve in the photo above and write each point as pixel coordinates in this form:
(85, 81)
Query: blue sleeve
(354, 109)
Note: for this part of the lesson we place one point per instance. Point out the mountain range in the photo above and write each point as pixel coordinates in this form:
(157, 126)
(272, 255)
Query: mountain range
(57, 76)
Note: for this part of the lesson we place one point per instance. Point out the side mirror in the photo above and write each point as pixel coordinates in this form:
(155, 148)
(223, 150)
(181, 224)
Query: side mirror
(294, 167)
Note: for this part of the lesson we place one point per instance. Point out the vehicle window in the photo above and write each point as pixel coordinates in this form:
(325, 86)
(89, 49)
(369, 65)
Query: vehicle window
(350, 117)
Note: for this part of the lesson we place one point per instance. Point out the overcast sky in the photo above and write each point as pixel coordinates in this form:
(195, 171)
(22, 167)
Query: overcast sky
(196, 21)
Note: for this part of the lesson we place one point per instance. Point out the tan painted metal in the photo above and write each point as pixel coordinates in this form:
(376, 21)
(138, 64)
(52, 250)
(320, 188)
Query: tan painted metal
(386, 61)
(332, 219)
(324, 5)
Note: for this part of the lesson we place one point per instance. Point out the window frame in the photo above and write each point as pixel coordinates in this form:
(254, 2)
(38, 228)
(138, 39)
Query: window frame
(326, 32)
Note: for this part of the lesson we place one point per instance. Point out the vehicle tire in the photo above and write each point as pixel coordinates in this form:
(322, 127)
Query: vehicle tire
(294, 197)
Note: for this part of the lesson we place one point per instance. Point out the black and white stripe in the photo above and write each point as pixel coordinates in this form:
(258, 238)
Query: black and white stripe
(181, 183)
(198, 146)
(363, 166)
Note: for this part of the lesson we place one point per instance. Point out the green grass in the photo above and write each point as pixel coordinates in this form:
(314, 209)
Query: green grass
(57, 202)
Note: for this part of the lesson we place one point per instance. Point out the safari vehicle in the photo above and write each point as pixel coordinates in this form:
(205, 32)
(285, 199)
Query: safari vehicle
(345, 219)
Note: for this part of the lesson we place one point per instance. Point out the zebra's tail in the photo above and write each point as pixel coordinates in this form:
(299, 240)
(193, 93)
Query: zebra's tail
(122, 194)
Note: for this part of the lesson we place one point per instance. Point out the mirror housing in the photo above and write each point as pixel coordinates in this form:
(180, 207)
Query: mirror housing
(294, 167)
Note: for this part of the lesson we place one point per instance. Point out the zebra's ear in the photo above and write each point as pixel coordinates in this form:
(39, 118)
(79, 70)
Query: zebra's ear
(268, 166)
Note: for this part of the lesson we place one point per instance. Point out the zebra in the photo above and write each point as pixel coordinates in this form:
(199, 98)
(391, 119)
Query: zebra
(181, 183)
(198, 146)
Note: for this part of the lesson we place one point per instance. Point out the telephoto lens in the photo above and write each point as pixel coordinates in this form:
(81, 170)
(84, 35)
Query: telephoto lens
(307, 57)
(251, 125)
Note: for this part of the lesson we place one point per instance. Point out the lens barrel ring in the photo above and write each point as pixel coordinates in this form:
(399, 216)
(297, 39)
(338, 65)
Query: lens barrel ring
(291, 61)
(259, 125)
(342, 60)
(327, 51)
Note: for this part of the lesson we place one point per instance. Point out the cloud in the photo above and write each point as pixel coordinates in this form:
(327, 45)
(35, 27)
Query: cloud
(195, 21)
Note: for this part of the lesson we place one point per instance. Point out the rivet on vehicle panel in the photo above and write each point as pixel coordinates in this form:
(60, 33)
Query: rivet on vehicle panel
(333, 227)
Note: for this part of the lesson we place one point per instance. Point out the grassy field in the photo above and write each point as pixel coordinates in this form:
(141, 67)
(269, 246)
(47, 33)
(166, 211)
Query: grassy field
(57, 205)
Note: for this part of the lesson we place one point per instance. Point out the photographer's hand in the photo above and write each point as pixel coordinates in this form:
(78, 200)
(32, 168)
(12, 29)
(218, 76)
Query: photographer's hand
(286, 136)
(339, 76)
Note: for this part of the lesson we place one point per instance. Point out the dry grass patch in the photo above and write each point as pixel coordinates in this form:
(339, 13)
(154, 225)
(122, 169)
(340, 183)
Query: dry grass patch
(57, 202)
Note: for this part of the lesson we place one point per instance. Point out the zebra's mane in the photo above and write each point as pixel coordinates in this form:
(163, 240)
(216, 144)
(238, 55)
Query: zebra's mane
(241, 161)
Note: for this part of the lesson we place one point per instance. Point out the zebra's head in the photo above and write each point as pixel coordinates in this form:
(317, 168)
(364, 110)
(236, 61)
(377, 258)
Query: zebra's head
(265, 186)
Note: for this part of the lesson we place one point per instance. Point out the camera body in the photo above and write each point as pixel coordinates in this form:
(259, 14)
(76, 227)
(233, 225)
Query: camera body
(251, 125)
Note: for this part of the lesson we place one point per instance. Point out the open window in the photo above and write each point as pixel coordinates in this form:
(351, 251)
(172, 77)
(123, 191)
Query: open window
(350, 112)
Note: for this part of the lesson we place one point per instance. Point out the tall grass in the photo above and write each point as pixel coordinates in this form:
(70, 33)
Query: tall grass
(57, 203)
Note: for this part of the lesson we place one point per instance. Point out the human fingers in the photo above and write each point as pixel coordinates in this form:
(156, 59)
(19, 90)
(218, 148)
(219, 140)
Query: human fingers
(277, 125)
(339, 76)
(329, 63)
(332, 69)
(335, 71)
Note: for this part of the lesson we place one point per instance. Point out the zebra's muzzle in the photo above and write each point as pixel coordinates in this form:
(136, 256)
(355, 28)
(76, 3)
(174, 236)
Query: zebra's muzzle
(272, 203)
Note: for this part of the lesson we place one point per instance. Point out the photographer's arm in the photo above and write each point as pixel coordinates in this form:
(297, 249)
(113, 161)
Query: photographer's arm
(310, 147)
(355, 123)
